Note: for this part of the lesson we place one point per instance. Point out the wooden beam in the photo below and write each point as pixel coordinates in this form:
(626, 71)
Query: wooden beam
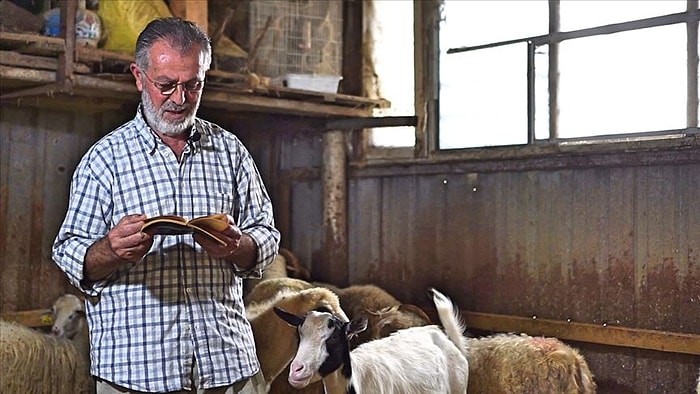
(664, 341)
(31, 318)
(11, 58)
(191, 10)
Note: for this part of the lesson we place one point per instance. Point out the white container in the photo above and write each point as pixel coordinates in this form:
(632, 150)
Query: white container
(314, 82)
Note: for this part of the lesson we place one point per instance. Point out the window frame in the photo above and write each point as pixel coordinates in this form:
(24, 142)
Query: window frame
(427, 17)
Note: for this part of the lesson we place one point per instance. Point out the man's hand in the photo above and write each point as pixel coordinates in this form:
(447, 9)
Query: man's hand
(232, 235)
(127, 241)
(124, 243)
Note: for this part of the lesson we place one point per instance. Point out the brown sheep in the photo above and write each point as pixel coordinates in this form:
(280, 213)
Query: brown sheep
(385, 314)
(509, 363)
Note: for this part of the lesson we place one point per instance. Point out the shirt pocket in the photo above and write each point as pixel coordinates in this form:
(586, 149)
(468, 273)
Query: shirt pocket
(208, 203)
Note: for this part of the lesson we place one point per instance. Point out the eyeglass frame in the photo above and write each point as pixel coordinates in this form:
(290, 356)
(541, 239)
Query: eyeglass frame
(172, 87)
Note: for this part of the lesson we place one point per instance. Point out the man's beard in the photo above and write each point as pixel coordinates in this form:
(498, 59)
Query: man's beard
(155, 119)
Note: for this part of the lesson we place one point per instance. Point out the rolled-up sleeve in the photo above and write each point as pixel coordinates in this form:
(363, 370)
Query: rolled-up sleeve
(256, 216)
(84, 223)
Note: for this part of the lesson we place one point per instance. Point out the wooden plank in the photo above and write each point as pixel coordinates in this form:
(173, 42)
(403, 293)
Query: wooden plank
(191, 10)
(31, 318)
(35, 44)
(11, 58)
(664, 341)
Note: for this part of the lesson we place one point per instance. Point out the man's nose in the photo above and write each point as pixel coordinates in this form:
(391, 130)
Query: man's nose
(179, 96)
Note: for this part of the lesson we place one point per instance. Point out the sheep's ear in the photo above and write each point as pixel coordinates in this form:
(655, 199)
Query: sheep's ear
(415, 310)
(290, 318)
(356, 326)
(323, 309)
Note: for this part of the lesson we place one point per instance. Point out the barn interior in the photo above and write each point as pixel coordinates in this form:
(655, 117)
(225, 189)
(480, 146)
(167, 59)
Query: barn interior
(592, 237)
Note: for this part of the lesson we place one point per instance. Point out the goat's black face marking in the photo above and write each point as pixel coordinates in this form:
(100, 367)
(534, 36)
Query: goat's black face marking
(337, 348)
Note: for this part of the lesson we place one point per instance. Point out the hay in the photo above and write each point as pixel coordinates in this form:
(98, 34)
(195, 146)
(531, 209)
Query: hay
(33, 362)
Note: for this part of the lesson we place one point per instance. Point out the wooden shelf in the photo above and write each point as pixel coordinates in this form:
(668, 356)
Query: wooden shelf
(101, 80)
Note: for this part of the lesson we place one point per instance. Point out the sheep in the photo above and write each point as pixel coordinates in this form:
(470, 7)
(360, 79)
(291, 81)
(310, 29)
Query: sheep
(415, 360)
(276, 341)
(510, 363)
(34, 362)
(385, 314)
(277, 269)
(398, 317)
(70, 322)
(294, 267)
(285, 265)
(269, 288)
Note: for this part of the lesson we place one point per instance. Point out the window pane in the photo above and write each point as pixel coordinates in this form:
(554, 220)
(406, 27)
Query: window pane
(476, 22)
(483, 93)
(393, 62)
(581, 14)
(483, 97)
(626, 82)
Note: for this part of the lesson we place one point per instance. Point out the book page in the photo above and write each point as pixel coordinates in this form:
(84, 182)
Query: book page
(215, 222)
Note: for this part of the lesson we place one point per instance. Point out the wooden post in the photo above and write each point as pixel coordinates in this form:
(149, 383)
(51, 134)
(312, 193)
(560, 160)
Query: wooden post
(334, 267)
(192, 10)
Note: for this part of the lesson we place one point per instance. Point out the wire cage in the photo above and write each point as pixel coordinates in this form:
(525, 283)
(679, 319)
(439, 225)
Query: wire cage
(296, 36)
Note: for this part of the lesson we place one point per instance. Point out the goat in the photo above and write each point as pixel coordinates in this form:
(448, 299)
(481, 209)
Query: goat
(416, 360)
(275, 341)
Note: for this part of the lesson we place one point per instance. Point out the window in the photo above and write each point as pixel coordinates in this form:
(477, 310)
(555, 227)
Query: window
(607, 70)
(392, 58)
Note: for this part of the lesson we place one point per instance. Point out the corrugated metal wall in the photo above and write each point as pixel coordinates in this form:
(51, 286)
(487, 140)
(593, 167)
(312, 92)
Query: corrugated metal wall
(39, 149)
(617, 246)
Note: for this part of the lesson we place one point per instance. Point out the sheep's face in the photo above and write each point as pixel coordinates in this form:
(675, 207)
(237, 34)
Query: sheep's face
(68, 316)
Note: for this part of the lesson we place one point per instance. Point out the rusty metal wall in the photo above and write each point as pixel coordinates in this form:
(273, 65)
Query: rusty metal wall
(39, 150)
(601, 245)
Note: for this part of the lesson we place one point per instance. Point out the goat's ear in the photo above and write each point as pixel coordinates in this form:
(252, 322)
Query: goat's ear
(290, 318)
(356, 326)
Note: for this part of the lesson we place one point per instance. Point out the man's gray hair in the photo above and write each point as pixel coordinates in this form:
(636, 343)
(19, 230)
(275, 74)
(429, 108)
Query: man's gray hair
(180, 34)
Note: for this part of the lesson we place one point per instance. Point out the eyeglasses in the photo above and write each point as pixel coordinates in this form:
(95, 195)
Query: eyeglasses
(166, 89)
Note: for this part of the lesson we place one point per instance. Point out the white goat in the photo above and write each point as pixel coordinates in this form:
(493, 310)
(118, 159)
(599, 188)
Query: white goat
(276, 341)
(416, 360)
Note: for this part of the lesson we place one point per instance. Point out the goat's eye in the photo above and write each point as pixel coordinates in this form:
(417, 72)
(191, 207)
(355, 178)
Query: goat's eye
(334, 338)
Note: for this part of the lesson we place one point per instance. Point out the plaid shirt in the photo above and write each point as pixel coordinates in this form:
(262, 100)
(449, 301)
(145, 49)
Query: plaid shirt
(150, 320)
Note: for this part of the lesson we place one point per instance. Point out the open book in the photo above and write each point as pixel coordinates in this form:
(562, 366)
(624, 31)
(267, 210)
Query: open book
(174, 225)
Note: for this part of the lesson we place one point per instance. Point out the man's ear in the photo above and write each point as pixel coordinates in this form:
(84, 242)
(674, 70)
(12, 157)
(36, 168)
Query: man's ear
(136, 72)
